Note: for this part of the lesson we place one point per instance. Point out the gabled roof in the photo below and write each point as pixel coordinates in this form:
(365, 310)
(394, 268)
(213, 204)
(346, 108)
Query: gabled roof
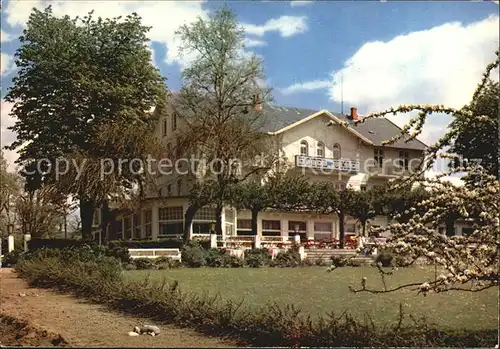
(375, 130)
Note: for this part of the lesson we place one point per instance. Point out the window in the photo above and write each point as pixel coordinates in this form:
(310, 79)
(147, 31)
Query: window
(467, 231)
(174, 121)
(167, 229)
(169, 190)
(379, 157)
(229, 215)
(170, 213)
(271, 225)
(137, 225)
(336, 151)
(322, 230)
(205, 214)
(201, 228)
(148, 218)
(170, 221)
(320, 151)
(304, 148)
(244, 227)
(293, 224)
(339, 186)
(324, 227)
(404, 159)
(244, 224)
(164, 127)
(128, 228)
(179, 187)
(271, 228)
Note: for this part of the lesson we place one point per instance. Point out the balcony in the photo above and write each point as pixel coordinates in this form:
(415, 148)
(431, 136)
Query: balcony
(326, 164)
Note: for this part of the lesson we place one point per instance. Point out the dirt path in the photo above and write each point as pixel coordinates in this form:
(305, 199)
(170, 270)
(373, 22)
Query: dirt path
(83, 324)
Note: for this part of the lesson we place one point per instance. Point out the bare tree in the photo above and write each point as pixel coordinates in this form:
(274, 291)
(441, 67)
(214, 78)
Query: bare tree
(219, 106)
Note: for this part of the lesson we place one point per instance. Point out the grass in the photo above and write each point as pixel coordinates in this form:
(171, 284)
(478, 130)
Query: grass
(317, 292)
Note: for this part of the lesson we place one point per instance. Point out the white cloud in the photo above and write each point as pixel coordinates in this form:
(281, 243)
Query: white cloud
(153, 13)
(297, 3)
(286, 25)
(6, 63)
(306, 86)
(441, 65)
(249, 42)
(5, 37)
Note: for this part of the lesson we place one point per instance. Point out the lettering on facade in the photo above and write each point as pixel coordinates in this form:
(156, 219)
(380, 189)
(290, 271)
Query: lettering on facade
(351, 166)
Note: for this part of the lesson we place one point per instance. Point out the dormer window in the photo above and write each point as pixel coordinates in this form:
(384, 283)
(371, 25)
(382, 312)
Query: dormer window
(304, 148)
(320, 150)
(336, 151)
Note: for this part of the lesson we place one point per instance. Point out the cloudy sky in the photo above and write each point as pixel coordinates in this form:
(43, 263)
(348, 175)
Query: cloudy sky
(388, 53)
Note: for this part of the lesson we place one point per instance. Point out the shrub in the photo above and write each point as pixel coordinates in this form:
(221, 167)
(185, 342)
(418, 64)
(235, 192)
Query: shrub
(11, 258)
(130, 266)
(257, 257)
(217, 258)
(193, 255)
(235, 262)
(35, 244)
(143, 263)
(120, 253)
(320, 262)
(385, 258)
(338, 261)
(162, 243)
(166, 263)
(290, 258)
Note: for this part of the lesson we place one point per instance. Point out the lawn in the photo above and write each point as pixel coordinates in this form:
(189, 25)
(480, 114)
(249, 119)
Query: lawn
(315, 291)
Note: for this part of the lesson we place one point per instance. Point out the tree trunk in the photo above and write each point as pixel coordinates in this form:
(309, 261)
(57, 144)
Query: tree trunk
(105, 220)
(218, 219)
(87, 208)
(255, 217)
(341, 228)
(188, 220)
(363, 227)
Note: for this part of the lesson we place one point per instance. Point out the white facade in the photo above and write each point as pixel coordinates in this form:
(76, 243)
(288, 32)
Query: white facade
(347, 157)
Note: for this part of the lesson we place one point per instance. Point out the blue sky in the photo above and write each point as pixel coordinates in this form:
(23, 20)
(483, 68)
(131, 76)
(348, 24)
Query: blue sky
(388, 53)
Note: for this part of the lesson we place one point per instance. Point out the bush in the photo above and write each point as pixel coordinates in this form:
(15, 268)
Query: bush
(193, 255)
(257, 257)
(143, 263)
(162, 243)
(166, 263)
(11, 258)
(217, 258)
(130, 266)
(338, 261)
(35, 244)
(385, 258)
(290, 258)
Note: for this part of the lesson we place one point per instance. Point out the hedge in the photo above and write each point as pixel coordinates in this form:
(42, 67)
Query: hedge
(162, 243)
(36, 244)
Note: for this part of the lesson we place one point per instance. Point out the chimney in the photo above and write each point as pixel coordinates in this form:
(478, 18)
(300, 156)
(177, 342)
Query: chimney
(354, 114)
(257, 104)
